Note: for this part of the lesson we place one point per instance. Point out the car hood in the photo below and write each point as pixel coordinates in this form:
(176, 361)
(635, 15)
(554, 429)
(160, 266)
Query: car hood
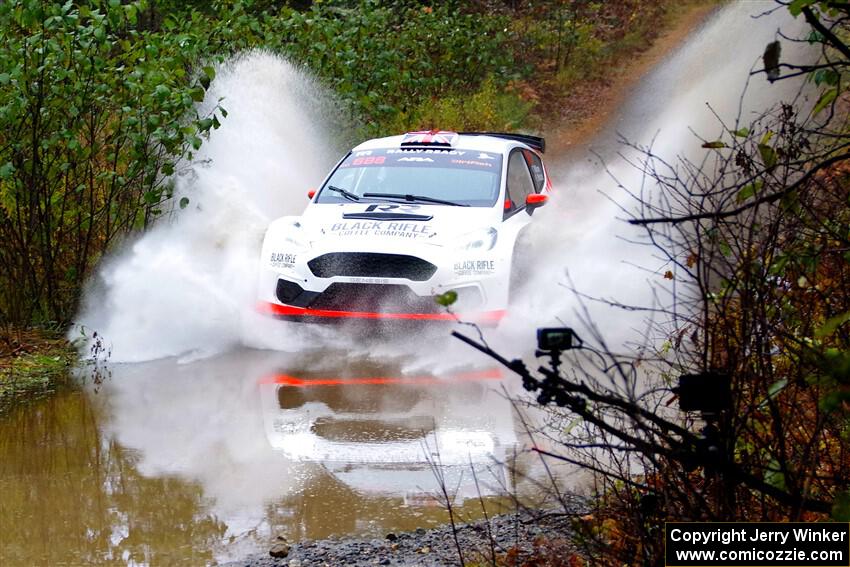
(431, 224)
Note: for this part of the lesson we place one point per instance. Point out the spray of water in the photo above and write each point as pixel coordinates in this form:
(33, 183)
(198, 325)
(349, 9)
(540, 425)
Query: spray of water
(584, 233)
(187, 286)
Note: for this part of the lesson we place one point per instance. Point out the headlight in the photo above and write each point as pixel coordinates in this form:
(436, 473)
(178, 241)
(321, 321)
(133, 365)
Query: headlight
(478, 240)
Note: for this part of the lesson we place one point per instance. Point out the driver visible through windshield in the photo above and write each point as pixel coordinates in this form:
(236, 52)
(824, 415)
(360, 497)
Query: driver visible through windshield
(446, 177)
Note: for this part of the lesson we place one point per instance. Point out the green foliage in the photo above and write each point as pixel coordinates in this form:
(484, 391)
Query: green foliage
(749, 190)
(826, 98)
(796, 6)
(391, 61)
(832, 325)
(841, 508)
(95, 111)
(489, 109)
(31, 364)
(572, 43)
(768, 156)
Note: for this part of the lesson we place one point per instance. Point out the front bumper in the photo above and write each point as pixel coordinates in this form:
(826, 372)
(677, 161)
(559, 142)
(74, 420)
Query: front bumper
(392, 283)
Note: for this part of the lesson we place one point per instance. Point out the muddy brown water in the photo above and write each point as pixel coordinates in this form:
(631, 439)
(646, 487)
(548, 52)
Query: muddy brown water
(165, 463)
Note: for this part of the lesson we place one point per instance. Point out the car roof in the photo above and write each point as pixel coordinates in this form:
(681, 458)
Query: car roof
(464, 142)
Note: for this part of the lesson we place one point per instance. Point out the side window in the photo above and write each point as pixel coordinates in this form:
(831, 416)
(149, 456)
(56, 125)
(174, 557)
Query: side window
(519, 184)
(536, 165)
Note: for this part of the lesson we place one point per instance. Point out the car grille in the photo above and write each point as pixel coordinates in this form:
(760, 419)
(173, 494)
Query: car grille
(373, 298)
(371, 265)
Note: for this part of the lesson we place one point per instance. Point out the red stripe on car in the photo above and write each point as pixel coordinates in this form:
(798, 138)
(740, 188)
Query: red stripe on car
(290, 311)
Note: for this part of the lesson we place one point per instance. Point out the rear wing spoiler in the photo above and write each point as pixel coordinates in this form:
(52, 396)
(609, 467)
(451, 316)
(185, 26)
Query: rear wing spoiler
(535, 142)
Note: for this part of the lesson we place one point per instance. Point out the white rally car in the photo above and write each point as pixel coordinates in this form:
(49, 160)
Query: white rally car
(406, 218)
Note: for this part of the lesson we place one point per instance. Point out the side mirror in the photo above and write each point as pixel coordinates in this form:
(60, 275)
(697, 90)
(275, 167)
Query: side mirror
(536, 200)
(311, 193)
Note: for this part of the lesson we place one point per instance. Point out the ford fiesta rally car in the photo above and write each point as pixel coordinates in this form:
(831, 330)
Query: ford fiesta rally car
(403, 219)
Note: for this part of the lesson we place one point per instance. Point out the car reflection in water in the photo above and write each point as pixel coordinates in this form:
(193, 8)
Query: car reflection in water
(308, 457)
(397, 436)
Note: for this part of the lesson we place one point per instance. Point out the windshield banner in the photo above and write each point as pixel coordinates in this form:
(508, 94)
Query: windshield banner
(425, 157)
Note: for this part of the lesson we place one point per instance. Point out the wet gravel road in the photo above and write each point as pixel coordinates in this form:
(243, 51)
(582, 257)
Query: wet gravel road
(426, 548)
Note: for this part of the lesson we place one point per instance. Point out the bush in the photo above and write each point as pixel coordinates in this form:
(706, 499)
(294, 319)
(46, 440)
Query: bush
(95, 112)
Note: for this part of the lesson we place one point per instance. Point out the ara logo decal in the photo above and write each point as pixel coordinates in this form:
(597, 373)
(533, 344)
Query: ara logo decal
(420, 159)
(482, 155)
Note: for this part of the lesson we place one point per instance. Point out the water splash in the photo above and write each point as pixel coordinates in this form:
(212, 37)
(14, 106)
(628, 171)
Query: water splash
(584, 234)
(187, 286)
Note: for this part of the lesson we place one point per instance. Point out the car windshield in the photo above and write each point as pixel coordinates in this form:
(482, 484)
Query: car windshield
(452, 177)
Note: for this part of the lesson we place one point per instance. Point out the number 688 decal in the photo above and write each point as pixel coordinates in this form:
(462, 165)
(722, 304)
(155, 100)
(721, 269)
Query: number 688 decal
(369, 160)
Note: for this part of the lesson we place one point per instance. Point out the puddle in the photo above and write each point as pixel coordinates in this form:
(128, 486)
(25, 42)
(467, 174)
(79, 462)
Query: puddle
(167, 463)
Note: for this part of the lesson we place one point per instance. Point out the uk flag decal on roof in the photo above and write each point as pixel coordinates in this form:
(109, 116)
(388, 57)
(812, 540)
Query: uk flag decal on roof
(430, 138)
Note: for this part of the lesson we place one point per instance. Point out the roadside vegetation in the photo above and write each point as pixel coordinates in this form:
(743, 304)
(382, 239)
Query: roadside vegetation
(32, 363)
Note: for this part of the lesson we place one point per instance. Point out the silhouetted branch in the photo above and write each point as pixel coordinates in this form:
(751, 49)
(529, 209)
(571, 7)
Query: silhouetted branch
(765, 199)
